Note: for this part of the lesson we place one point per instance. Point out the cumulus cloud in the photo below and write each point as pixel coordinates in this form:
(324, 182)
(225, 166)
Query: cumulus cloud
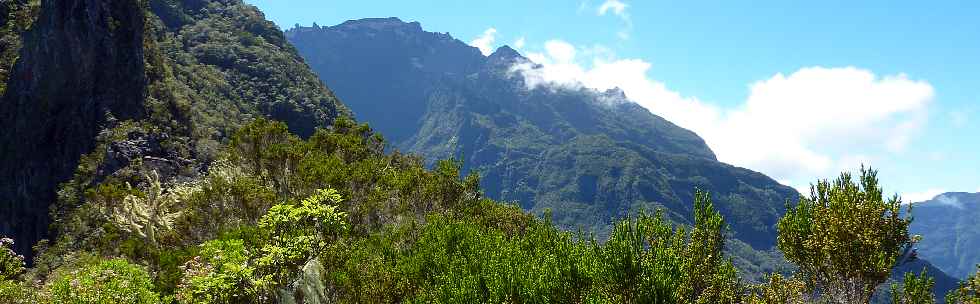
(811, 123)
(485, 41)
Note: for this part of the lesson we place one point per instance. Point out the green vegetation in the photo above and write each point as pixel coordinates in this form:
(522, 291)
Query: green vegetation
(185, 195)
(380, 228)
(590, 157)
(16, 16)
(968, 292)
(916, 289)
(950, 230)
(402, 233)
(101, 281)
(846, 237)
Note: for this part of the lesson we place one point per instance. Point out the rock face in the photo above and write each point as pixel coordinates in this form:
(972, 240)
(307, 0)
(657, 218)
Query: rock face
(102, 85)
(588, 156)
(81, 64)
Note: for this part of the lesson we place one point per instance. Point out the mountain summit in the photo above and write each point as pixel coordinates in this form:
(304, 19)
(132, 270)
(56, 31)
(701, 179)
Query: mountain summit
(587, 156)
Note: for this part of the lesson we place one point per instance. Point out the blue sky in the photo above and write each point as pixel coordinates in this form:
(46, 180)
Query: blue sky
(797, 90)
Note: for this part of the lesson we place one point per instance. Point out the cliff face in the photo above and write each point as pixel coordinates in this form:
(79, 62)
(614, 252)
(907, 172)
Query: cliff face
(81, 64)
(102, 85)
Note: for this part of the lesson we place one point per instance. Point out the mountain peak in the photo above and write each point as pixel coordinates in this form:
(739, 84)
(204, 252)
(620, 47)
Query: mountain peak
(507, 56)
(381, 24)
(506, 52)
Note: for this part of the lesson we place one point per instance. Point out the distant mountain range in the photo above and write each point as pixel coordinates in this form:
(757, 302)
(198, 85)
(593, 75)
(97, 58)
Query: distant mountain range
(950, 229)
(588, 156)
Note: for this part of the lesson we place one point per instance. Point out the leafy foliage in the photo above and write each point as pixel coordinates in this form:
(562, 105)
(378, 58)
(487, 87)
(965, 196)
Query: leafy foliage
(646, 260)
(11, 264)
(779, 290)
(590, 157)
(16, 16)
(102, 281)
(845, 237)
(916, 289)
(968, 292)
(226, 272)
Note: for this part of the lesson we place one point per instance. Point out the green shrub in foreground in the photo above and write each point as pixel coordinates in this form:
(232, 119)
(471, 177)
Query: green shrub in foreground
(103, 281)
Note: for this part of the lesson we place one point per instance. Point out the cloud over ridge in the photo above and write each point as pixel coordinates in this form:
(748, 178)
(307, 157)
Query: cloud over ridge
(812, 122)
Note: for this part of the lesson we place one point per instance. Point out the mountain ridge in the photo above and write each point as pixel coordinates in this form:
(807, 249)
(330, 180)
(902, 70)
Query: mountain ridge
(620, 157)
(950, 226)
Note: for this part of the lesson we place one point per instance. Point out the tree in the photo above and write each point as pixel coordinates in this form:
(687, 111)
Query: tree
(779, 290)
(11, 264)
(968, 292)
(102, 281)
(290, 236)
(916, 289)
(845, 237)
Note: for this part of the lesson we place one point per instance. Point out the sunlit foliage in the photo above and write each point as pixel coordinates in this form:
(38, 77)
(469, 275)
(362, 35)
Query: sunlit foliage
(845, 237)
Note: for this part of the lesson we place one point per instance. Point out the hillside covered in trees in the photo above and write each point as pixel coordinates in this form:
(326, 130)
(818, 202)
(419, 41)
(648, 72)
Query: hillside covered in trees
(182, 152)
(950, 226)
(591, 157)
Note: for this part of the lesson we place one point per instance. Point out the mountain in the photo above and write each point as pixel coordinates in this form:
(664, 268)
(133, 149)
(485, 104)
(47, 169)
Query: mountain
(98, 88)
(587, 156)
(950, 229)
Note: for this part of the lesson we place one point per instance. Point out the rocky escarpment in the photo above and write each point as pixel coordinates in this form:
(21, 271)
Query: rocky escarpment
(100, 86)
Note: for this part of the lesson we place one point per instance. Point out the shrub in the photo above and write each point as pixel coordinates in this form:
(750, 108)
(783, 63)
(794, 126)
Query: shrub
(102, 281)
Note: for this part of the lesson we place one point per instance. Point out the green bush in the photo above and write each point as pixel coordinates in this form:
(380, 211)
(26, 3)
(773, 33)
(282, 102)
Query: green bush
(846, 237)
(916, 289)
(102, 281)
(968, 292)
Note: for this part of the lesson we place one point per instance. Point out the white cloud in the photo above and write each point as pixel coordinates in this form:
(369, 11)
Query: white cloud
(797, 127)
(519, 43)
(918, 197)
(617, 8)
(485, 41)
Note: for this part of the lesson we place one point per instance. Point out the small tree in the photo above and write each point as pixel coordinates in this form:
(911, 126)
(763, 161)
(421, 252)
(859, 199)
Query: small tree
(968, 292)
(779, 290)
(917, 289)
(845, 237)
(11, 264)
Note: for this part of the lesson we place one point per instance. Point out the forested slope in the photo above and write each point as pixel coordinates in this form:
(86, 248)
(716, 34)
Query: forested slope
(590, 157)
(137, 84)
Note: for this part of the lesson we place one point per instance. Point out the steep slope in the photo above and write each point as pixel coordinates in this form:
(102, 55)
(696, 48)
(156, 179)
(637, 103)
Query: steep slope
(587, 156)
(950, 229)
(100, 86)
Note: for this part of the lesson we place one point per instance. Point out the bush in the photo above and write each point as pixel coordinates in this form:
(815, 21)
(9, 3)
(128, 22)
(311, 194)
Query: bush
(102, 281)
